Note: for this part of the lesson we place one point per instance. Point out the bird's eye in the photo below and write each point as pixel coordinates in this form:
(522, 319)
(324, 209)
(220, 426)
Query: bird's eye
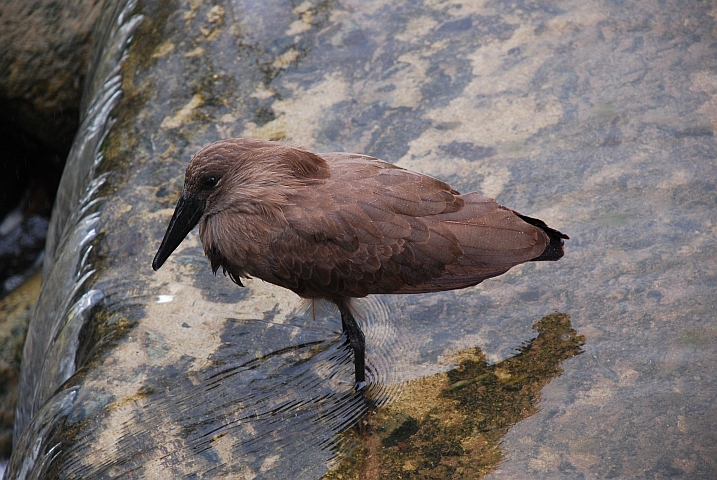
(209, 182)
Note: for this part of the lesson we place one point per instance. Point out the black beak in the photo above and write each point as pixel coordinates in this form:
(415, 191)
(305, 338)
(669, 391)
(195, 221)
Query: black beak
(187, 213)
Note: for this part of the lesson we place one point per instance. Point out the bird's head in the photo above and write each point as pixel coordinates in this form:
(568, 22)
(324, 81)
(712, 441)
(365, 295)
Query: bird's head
(237, 175)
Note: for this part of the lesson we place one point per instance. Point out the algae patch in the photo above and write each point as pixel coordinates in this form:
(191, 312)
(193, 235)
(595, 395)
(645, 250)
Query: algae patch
(450, 425)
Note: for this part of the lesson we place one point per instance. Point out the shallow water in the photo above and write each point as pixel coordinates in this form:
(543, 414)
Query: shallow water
(595, 116)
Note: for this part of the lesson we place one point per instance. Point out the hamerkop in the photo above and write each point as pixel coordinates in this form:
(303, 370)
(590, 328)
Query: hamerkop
(337, 226)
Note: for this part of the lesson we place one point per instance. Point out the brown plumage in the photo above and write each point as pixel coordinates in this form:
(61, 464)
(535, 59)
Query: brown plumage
(338, 226)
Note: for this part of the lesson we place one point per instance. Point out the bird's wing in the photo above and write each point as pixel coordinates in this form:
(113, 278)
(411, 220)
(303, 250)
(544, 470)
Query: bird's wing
(493, 239)
(376, 228)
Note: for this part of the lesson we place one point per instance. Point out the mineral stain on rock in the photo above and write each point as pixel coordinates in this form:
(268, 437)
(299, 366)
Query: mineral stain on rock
(450, 425)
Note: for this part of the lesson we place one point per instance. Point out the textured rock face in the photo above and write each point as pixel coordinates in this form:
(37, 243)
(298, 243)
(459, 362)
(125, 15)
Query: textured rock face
(44, 52)
(43, 60)
(595, 116)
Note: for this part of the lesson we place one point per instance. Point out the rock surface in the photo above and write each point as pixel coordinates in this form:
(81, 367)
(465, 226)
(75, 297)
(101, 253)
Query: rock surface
(15, 312)
(44, 51)
(595, 116)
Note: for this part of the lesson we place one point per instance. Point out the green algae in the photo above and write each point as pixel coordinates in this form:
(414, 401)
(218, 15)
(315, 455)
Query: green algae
(450, 425)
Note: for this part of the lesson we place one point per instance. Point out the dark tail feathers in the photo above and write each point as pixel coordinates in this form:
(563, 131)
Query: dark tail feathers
(554, 250)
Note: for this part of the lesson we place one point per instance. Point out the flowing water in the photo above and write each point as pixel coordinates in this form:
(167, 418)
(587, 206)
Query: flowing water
(597, 117)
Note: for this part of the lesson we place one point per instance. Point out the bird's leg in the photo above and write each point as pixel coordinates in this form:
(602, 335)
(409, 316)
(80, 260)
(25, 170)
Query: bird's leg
(358, 344)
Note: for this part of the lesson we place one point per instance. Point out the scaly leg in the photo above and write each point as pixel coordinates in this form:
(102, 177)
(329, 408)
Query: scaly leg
(358, 344)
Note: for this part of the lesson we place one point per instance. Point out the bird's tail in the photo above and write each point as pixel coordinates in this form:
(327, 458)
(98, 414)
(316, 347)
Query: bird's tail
(554, 250)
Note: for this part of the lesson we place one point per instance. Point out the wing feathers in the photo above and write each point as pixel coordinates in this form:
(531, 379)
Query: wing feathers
(382, 229)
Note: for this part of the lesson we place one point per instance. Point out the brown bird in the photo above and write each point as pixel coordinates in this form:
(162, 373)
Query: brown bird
(337, 226)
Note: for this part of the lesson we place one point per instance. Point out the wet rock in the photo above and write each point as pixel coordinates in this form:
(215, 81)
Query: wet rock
(174, 373)
(450, 425)
(44, 50)
(398, 429)
(21, 243)
(22, 234)
(15, 312)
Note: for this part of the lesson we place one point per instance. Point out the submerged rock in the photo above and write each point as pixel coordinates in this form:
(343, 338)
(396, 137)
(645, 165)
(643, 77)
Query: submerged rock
(450, 425)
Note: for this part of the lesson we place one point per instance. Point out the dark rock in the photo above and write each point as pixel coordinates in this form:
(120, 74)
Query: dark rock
(397, 429)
